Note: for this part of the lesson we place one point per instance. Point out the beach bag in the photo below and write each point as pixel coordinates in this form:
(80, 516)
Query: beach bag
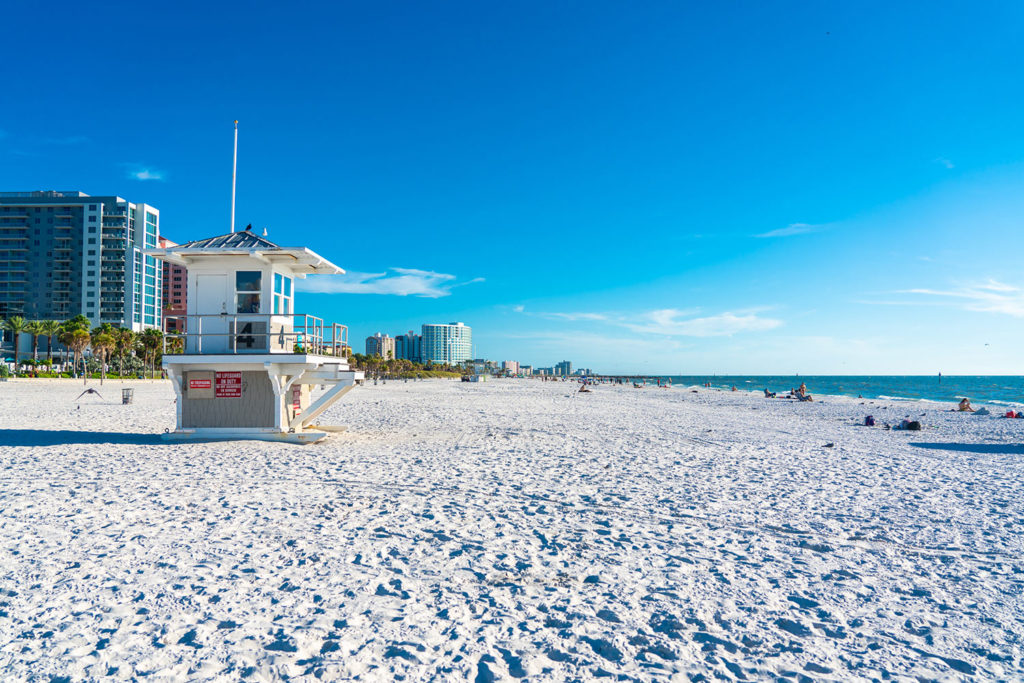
(869, 421)
(1010, 413)
(914, 426)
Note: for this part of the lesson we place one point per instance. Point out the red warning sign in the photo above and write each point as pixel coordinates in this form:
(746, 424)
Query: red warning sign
(228, 385)
(199, 384)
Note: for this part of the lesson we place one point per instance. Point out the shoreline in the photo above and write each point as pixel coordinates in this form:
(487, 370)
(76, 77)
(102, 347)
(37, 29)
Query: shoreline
(977, 403)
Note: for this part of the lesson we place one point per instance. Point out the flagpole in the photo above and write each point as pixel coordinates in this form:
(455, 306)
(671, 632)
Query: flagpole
(234, 177)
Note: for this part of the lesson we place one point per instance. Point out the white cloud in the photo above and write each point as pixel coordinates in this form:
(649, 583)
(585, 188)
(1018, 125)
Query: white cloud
(140, 172)
(793, 229)
(988, 297)
(67, 140)
(397, 281)
(519, 308)
(673, 322)
(576, 316)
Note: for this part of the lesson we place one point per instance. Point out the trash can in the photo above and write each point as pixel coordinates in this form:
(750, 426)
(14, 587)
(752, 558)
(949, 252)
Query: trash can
(126, 396)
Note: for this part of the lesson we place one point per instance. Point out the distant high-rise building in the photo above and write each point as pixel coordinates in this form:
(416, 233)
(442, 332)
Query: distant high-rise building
(564, 368)
(381, 345)
(65, 253)
(451, 344)
(526, 370)
(409, 346)
(510, 366)
(174, 290)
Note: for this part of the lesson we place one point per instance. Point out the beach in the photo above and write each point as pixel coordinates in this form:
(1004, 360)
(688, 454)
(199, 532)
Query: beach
(512, 529)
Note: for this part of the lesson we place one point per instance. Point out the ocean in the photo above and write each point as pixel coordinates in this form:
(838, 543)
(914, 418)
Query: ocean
(997, 389)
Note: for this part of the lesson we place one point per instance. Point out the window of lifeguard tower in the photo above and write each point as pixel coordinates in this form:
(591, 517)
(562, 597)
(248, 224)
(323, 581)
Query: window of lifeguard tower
(247, 291)
(282, 294)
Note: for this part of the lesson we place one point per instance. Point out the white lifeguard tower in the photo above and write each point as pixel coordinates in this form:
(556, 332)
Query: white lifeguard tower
(245, 365)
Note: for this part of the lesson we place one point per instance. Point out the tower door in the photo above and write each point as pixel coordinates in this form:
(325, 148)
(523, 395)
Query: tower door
(211, 302)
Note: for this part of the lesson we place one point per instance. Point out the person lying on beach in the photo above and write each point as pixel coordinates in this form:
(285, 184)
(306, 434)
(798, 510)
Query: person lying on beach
(965, 406)
(768, 394)
(802, 391)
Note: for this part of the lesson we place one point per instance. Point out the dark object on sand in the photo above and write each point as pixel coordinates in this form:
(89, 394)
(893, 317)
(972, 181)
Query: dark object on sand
(89, 391)
(829, 444)
(869, 421)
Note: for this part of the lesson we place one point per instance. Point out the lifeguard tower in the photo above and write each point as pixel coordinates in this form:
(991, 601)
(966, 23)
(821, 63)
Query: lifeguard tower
(243, 364)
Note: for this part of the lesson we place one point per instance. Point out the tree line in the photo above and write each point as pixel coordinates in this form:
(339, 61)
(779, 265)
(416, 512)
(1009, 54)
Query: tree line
(377, 366)
(107, 344)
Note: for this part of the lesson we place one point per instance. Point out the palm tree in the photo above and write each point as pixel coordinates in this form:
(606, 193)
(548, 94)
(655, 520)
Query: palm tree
(66, 336)
(151, 341)
(35, 328)
(124, 341)
(16, 326)
(50, 329)
(78, 341)
(103, 345)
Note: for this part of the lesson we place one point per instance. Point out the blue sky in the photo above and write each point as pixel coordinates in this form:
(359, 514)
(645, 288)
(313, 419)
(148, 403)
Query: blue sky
(658, 187)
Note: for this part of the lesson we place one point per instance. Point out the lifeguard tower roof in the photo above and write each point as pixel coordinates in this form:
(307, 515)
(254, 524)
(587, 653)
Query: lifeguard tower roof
(299, 260)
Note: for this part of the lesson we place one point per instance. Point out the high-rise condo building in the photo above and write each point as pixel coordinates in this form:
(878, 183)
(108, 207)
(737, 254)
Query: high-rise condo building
(66, 253)
(409, 346)
(564, 368)
(175, 280)
(451, 343)
(381, 345)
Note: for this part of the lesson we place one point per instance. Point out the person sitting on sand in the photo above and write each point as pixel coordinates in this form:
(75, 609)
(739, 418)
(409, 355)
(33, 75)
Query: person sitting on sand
(965, 406)
(768, 394)
(802, 391)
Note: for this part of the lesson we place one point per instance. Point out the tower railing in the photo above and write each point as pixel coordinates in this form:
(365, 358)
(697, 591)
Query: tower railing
(253, 333)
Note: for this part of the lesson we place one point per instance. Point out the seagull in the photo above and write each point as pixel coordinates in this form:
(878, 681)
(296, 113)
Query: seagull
(89, 391)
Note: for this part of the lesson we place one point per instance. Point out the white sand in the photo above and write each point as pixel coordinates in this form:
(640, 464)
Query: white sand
(511, 529)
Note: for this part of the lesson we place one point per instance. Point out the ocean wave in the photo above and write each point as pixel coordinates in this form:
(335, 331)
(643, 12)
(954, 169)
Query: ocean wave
(908, 398)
